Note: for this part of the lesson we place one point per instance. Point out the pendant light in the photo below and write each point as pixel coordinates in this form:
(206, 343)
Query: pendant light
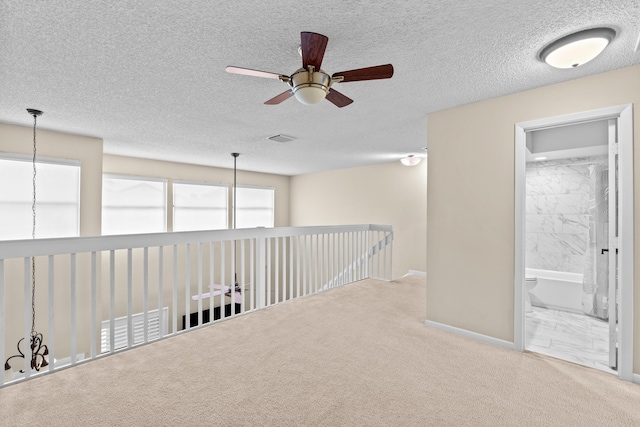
(39, 350)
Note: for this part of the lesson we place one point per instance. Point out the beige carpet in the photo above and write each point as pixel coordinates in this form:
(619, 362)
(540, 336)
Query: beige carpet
(357, 355)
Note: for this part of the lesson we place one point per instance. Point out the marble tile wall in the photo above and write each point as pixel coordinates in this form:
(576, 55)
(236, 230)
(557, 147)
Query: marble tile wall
(557, 214)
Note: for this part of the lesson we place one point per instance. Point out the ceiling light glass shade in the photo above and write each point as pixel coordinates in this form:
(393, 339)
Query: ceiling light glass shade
(578, 48)
(410, 160)
(309, 95)
(310, 87)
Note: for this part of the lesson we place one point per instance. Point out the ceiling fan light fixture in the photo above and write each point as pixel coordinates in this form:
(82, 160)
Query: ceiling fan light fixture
(309, 95)
(310, 87)
(410, 160)
(578, 48)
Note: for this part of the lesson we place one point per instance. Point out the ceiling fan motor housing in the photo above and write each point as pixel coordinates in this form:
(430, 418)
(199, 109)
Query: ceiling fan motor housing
(310, 87)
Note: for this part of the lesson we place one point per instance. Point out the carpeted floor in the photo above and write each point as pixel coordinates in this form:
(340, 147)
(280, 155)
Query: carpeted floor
(352, 356)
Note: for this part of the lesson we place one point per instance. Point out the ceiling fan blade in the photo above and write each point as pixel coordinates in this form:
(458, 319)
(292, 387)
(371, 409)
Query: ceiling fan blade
(338, 99)
(254, 73)
(279, 98)
(313, 47)
(369, 73)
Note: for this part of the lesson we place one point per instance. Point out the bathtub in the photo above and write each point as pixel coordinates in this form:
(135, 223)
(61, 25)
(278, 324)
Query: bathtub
(556, 290)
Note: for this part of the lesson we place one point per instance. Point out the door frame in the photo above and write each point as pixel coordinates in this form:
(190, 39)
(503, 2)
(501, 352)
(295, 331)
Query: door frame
(624, 114)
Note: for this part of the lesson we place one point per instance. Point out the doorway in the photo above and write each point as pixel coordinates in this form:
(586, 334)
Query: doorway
(609, 301)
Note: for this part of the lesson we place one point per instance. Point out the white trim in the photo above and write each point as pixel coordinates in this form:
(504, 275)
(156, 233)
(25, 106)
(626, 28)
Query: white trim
(625, 242)
(416, 273)
(636, 379)
(40, 159)
(624, 114)
(135, 177)
(207, 183)
(262, 187)
(469, 334)
(519, 246)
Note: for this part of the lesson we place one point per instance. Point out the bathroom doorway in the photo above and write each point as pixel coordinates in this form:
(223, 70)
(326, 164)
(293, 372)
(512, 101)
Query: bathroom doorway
(573, 237)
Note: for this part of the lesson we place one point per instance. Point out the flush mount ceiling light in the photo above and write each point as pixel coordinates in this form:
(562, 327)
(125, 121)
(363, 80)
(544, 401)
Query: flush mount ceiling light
(410, 160)
(578, 48)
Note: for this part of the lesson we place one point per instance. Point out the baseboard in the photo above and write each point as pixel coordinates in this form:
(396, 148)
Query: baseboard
(636, 379)
(416, 273)
(469, 334)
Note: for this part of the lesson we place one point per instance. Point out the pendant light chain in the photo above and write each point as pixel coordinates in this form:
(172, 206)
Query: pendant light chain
(39, 350)
(33, 235)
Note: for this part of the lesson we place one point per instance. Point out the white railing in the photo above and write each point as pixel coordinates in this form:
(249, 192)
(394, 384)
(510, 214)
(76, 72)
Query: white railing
(99, 295)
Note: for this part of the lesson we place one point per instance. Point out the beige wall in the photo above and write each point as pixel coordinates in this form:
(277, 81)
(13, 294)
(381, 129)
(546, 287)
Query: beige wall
(388, 194)
(470, 215)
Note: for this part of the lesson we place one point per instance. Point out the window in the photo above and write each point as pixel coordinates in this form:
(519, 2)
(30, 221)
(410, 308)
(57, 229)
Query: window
(254, 207)
(132, 205)
(57, 198)
(199, 206)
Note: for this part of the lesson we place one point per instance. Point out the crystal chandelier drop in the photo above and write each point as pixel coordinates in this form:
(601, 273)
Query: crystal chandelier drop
(39, 350)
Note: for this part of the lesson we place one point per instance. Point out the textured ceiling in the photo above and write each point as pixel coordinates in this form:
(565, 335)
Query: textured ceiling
(148, 76)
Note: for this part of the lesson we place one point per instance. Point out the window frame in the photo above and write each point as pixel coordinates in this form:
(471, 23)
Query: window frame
(58, 161)
(165, 207)
(258, 187)
(202, 183)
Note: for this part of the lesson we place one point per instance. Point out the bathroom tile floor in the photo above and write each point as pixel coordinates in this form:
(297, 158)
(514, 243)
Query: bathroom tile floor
(573, 337)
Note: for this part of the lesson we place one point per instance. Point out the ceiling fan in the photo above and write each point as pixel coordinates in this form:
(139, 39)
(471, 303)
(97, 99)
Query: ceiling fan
(310, 84)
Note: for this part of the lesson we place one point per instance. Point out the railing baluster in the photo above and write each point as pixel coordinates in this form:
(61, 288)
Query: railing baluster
(199, 275)
(252, 274)
(73, 307)
(284, 269)
(277, 264)
(27, 314)
(361, 255)
(129, 298)
(384, 274)
(145, 295)
(342, 260)
(326, 241)
(354, 259)
(333, 260)
(94, 305)
(298, 265)
(174, 295)
(379, 254)
(112, 300)
(223, 249)
(390, 277)
(291, 296)
(211, 279)
(187, 288)
(51, 342)
(269, 288)
(242, 277)
(163, 332)
(260, 272)
(304, 267)
(317, 266)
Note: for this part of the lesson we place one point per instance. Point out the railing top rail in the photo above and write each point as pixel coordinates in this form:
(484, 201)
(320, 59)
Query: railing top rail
(65, 245)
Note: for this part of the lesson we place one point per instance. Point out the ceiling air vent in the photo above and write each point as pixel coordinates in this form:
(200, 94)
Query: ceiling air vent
(281, 138)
